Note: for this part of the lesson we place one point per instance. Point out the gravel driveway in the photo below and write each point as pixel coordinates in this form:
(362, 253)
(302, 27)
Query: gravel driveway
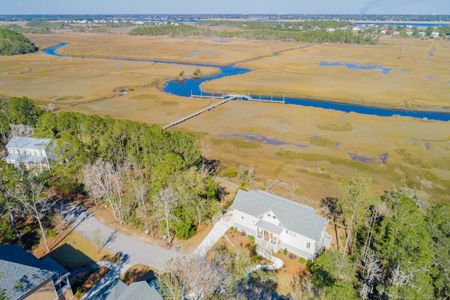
(138, 251)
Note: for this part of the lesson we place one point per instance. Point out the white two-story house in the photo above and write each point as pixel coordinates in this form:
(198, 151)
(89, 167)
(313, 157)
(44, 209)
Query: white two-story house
(29, 152)
(278, 223)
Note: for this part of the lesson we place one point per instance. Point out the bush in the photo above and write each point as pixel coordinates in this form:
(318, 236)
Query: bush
(79, 292)
(285, 252)
(302, 260)
(230, 172)
(51, 233)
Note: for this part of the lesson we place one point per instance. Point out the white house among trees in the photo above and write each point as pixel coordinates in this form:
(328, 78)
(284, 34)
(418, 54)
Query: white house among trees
(28, 151)
(278, 223)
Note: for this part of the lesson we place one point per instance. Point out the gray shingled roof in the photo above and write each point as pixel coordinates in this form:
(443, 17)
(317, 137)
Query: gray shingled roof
(25, 158)
(137, 291)
(23, 142)
(269, 227)
(20, 271)
(296, 217)
(50, 264)
(140, 291)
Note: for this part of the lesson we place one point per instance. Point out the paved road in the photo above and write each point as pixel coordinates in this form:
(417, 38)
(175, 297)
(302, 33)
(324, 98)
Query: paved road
(136, 250)
(214, 235)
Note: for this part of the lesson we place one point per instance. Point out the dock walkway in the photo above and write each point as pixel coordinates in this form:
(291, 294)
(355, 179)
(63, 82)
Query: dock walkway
(210, 107)
(225, 99)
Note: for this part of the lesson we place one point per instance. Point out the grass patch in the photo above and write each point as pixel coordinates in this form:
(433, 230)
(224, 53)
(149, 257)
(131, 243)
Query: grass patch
(241, 143)
(166, 103)
(323, 142)
(77, 252)
(63, 98)
(335, 126)
(410, 159)
(230, 172)
(314, 157)
(138, 272)
(318, 175)
(145, 97)
(51, 233)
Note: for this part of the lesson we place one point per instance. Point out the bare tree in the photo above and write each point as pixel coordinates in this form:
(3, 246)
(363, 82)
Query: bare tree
(400, 278)
(164, 203)
(371, 274)
(197, 277)
(105, 182)
(140, 191)
(21, 130)
(302, 288)
(32, 203)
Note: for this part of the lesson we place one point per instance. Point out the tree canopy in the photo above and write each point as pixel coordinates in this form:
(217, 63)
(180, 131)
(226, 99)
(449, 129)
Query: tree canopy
(13, 43)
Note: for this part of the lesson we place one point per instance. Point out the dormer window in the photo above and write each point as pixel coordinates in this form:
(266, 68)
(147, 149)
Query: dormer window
(268, 215)
(274, 217)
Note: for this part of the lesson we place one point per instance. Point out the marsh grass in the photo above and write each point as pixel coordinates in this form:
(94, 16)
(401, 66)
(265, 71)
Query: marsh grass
(335, 126)
(323, 142)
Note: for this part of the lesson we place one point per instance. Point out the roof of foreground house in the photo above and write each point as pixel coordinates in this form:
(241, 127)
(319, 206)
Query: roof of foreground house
(296, 217)
(140, 290)
(21, 272)
(24, 142)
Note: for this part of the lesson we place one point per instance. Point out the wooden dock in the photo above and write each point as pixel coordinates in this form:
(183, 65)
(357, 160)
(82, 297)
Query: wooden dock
(225, 98)
(211, 107)
(239, 97)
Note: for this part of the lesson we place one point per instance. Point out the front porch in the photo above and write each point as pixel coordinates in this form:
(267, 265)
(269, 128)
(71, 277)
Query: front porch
(267, 237)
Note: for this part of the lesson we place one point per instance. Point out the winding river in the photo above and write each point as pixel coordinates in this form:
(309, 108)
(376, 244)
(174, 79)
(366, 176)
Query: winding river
(186, 88)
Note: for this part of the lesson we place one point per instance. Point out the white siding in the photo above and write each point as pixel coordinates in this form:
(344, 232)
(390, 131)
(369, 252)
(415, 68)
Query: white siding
(271, 217)
(244, 222)
(294, 241)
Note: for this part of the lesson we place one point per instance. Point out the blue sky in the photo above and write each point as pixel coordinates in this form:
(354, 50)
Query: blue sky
(223, 6)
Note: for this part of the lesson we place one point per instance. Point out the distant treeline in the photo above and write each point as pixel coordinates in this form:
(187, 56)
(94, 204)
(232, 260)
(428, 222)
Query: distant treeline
(261, 25)
(12, 43)
(260, 31)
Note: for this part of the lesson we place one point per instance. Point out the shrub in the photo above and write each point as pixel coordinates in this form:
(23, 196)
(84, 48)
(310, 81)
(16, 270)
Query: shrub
(51, 233)
(302, 260)
(230, 173)
(285, 252)
(79, 292)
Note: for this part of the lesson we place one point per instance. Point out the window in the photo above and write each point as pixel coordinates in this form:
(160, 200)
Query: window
(242, 217)
(268, 215)
(274, 217)
(308, 245)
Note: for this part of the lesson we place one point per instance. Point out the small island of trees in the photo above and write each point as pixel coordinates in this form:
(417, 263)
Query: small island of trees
(13, 43)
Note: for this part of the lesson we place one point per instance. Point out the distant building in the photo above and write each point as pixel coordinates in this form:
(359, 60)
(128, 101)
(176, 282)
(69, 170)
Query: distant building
(422, 33)
(30, 152)
(331, 30)
(395, 32)
(278, 223)
(23, 276)
(435, 34)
